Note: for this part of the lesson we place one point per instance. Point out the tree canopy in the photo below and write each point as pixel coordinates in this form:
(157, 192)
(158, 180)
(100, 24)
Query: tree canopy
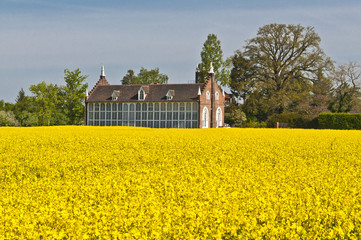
(277, 69)
(145, 77)
(212, 53)
(74, 95)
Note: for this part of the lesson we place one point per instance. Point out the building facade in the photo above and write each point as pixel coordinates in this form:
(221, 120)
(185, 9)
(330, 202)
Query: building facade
(195, 105)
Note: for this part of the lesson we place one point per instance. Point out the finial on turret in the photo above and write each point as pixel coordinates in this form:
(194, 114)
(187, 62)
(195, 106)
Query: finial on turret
(199, 91)
(211, 68)
(102, 73)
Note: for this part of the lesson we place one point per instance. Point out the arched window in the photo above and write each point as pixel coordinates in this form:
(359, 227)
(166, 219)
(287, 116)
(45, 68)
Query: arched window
(219, 117)
(217, 96)
(208, 95)
(141, 94)
(205, 118)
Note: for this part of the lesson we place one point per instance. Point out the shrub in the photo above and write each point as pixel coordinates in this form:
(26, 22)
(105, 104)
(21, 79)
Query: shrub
(293, 120)
(339, 121)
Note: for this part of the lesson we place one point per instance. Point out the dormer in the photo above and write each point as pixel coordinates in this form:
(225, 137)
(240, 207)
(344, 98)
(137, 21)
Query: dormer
(170, 94)
(141, 94)
(115, 95)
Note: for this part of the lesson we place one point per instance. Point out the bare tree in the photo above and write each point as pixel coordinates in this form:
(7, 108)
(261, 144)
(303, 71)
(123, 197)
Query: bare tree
(346, 81)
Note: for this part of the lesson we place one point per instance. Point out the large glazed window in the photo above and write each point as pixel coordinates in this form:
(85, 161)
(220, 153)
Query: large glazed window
(219, 117)
(205, 118)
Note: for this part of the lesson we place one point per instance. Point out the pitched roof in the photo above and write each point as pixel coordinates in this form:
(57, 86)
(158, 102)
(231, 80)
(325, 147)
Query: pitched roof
(154, 92)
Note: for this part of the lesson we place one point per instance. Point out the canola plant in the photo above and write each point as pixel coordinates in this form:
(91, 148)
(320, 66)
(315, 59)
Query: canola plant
(138, 183)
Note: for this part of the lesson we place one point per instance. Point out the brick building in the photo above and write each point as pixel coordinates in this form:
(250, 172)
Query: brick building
(194, 105)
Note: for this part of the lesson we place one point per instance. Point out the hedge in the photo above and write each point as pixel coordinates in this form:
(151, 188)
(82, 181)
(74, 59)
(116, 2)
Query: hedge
(339, 121)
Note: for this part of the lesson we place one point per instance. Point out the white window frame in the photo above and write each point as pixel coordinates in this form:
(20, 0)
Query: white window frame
(205, 118)
(208, 95)
(141, 90)
(219, 117)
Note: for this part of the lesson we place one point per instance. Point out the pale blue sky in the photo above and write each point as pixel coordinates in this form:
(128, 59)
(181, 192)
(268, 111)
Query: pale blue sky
(40, 38)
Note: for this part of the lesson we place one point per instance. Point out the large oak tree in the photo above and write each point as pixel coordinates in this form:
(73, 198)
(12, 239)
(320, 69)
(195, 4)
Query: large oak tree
(277, 69)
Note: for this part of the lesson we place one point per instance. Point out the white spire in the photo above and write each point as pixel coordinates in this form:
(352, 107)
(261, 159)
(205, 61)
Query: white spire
(102, 73)
(223, 93)
(199, 91)
(86, 92)
(211, 68)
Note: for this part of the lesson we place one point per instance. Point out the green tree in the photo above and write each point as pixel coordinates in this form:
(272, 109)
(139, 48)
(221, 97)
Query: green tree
(46, 100)
(212, 53)
(234, 116)
(7, 119)
(281, 63)
(74, 96)
(145, 77)
(346, 91)
(23, 103)
(130, 78)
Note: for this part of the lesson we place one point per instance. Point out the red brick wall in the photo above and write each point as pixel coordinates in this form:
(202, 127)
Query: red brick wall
(212, 104)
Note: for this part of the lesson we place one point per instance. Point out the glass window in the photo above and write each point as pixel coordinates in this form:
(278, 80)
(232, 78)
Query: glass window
(156, 116)
(189, 107)
(195, 107)
(150, 116)
(120, 107)
(114, 115)
(169, 124)
(162, 107)
(138, 123)
(162, 116)
(188, 116)
(91, 116)
(120, 116)
(169, 115)
(125, 107)
(96, 115)
(141, 94)
(144, 107)
(137, 116)
(181, 107)
(175, 107)
(150, 124)
(109, 115)
(181, 116)
(217, 96)
(102, 115)
(131, 107)
(150, 106)
(97, 107)
(208, 95)
(102, 107)
(194, 115)
(156, 107)
(125, 116)
(91, 107)
(114, 107)
(175, 115)
(131, 116)
(169, 107)
(108, 106)
(144, 115)
(162, 124)
(156, 124)
(138, 107)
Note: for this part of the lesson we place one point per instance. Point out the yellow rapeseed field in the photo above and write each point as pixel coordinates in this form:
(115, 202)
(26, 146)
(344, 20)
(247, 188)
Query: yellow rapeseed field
(139, 183)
